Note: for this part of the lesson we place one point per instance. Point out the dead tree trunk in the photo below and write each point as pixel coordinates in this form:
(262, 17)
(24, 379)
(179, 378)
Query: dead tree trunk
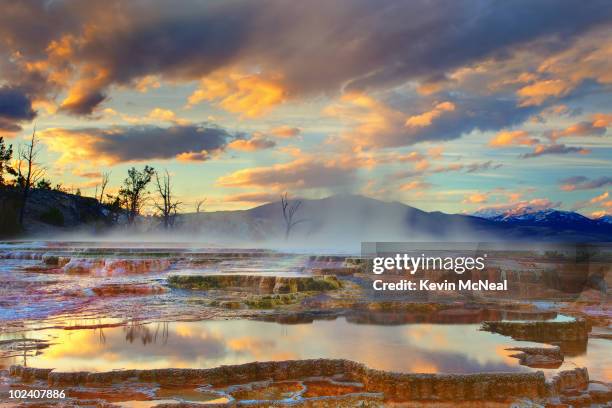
(28, 155)
(289, 211)
(168, 207)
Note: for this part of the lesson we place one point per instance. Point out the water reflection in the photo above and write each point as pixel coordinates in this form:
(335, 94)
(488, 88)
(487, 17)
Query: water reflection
(408, 348)
(146, 333)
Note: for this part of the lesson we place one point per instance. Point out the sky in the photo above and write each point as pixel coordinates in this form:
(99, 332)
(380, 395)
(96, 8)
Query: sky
(452, 106)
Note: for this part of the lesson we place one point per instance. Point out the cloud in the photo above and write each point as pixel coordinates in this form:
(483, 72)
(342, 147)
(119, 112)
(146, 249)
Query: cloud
(541, 150)
(519, 207)
(476, 198)
(88, 174)
(108, 146)
(376, 124)
(301, 173)
(435, 152)
(425, 119)
(154, 115)
(422, 168)
(251, 145)
(564, 71)
(596, 127)
(584, 183)
(601, 199)
(537, 92)
(285, 132)
(414, 186)
(89, 50)
(476, 167)
(166, 115)
(512, 138)
(252, 197)
(15, 107)
(249, 95)
(601, 213)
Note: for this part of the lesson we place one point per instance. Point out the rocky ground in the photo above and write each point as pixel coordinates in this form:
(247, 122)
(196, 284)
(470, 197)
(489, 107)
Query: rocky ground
(122, 286)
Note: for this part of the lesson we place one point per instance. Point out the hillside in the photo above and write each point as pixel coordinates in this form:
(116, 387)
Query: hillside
(50, 211)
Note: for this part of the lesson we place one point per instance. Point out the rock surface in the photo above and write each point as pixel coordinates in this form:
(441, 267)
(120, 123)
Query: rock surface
(394, 386)
(261, 284)
(543, 332)
(539, 357)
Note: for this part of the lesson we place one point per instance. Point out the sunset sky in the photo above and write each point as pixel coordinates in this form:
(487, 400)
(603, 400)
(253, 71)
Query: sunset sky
(443, 105)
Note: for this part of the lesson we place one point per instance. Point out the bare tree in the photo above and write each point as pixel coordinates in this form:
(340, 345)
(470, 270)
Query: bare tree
(289, 211)
(198, 205)
(29, 171)
(133, 192)
(103, 184)
(168, 207)
(196, 225)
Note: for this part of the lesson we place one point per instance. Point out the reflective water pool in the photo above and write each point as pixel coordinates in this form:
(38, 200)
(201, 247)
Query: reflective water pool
(427, 348)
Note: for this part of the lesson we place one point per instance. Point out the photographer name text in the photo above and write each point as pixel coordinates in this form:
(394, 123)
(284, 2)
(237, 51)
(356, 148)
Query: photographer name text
(404, 263)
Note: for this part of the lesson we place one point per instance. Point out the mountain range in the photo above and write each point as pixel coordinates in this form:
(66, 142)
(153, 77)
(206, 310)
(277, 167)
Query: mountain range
(527, 216)
(339, 221)
(353, 218)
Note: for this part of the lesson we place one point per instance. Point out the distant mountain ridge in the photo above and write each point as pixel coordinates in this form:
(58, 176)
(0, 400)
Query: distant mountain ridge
(528, 216)
(356, 218)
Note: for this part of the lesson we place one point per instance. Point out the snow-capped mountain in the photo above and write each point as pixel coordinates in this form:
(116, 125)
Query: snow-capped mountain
(606, 219)
(527, 216)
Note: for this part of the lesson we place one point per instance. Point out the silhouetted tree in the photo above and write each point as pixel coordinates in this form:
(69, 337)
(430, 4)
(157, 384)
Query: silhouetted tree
(43, 184)
(199, 205)
(29, 171)
(133, 191)
(289, 211)
(104, 183)
(6, 154)
(168, 207)
(59, 187)
(113, 204)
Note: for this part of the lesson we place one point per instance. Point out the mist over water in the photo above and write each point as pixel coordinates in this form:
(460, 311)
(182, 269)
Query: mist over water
(337, 224)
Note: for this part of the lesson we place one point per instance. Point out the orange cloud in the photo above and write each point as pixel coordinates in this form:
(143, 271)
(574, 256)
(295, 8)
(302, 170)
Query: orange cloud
(602, 120)
(599, 198)
(301, 173)
(512, 138)
(476, 198)
(375, 123)
(285, 132)
(538, 92)
(414, 185)
(588, 58)
(421, 165)
(109, 146)
(166, 115)
(85, 94)
(541, 150)
(435, 152)
(187, 157)
(521, 206)
(88, 174)
(75, 147)
(425, 119)
(597, 126)
(258, 197)
(148, 82)
(251, 145)
(249, 95)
